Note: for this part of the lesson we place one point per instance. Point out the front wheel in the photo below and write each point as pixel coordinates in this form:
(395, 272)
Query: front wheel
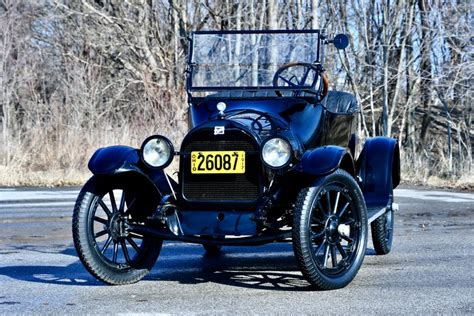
(108, 251)
(330, 231)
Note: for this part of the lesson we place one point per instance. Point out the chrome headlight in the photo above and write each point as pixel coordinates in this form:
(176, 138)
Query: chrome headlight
(276, 152)
(157, 151)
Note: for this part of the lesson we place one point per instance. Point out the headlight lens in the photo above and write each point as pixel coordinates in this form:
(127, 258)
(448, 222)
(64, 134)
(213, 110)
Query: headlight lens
(157, 151)
(276, 152)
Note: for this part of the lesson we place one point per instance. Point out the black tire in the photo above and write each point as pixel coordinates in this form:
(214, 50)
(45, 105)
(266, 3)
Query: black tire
(341, 233)
(382, 231)
(97, 226)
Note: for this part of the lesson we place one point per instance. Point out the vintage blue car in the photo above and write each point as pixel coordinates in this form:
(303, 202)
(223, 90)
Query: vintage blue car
(271, 156)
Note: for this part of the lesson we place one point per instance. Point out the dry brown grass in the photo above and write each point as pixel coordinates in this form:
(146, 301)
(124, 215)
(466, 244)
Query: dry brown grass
(464, 183)
(45, 160)
(51, 178)
(437, 171)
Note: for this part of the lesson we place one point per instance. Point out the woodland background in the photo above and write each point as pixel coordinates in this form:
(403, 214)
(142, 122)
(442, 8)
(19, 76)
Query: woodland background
(76, 75)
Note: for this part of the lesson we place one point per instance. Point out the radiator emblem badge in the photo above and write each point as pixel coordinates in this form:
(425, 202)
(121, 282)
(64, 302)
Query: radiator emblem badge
(219, 130)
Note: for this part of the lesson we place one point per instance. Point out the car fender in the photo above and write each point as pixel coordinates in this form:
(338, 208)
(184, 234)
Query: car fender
(378, 166)
(124, 160)
(325, 160)
(113, 160)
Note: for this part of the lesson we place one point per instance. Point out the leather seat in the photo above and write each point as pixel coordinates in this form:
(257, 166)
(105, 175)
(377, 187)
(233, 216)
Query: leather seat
(340, 102)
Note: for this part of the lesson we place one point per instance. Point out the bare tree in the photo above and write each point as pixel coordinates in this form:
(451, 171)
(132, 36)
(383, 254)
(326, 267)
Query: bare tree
(89, 73)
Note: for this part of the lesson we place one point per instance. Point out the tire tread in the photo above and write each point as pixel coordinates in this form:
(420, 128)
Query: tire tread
(381, 245)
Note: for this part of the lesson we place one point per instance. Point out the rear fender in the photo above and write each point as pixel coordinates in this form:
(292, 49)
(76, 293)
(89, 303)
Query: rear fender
(124, 160)
(325, 160)
(379, 169)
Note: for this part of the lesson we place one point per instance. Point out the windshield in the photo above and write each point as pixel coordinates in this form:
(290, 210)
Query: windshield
(247, 59)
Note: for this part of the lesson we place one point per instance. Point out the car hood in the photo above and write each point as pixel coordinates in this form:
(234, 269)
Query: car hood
(294, 118)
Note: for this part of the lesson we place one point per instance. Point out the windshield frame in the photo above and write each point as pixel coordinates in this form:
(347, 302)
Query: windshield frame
(189, 84)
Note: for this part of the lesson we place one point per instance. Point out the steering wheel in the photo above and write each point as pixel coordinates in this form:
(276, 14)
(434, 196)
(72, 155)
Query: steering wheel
(302, 75)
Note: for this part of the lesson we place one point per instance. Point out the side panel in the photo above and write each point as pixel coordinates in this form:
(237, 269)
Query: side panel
(322, 160)
(339, 129)
(379, 168)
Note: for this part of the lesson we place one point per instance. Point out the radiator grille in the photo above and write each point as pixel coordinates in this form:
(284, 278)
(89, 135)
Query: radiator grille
(222, 187)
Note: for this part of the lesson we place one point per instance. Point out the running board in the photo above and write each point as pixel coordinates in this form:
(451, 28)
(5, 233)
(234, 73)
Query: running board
(375, 212)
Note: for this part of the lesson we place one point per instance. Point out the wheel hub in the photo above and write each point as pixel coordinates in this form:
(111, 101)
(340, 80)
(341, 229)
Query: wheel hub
(332, 226)
(117, 227)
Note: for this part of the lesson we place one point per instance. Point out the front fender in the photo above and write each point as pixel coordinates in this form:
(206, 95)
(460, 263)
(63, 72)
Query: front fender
(115, 160)
(323, 160)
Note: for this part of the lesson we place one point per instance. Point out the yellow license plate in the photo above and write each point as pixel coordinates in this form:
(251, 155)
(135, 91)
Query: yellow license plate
(212, 162)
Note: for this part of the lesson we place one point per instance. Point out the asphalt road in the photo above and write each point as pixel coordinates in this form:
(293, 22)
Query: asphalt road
(430, 269)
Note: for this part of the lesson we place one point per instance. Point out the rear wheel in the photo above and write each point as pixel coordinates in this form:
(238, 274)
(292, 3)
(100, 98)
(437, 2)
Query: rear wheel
(382, 231)
(330, 231)
(108, 251)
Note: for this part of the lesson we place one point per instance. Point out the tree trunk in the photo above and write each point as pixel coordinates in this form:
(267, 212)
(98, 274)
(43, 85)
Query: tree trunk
(385, 61)
(314, 14)
(425, 72)
(272, 25)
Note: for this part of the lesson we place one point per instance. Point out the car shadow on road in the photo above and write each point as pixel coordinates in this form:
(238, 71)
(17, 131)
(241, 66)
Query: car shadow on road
(72, 274)
(269, 267)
